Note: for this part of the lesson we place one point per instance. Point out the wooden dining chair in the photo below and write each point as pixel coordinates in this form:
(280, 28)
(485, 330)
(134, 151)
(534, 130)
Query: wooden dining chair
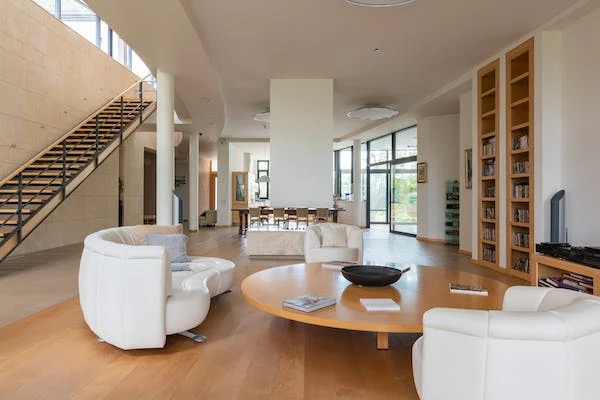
(301, 215)
(322, 215)
(279, 216)
(255, 216)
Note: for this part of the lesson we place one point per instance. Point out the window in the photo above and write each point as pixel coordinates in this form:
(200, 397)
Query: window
(262, 174)
(78, 16)
(343, 171)
(405, 142)
(380, 150)
(363, 171)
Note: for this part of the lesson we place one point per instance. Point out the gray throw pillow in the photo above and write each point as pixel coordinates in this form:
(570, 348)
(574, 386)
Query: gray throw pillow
(178, 267)
(175, 244)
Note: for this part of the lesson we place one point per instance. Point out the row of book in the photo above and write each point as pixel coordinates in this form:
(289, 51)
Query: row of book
(521, 239)
(521, 142)
(521, 167)
(521, 215)
(522, 264)
(489, 148)
(489, 212)
(489, 191)
(489, 167)
(571, 281)
(489, 234)
(521, 191)
(489, 254)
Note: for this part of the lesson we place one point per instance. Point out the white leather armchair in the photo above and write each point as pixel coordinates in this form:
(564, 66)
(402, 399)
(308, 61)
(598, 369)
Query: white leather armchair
(544, 344)
(314, 251)
(132, 300)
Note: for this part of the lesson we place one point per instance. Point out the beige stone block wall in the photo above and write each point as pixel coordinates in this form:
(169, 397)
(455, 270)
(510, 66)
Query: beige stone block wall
(91, 207)
(132, 175)
(50, 80)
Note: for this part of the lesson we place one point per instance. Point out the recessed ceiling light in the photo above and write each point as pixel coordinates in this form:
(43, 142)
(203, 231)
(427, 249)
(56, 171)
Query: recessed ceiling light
(377, 50)
(379, 3)
(263, 117)
(372, 113)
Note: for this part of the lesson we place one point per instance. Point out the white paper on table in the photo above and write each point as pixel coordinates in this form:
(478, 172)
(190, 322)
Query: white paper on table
(380, 304)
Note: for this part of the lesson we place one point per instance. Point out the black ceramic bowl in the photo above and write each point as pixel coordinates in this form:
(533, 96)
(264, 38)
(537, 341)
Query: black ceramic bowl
(371, 275)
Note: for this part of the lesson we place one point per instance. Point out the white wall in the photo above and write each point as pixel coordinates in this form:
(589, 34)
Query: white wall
(438, 146)
(301, 142)
(466, 198)
(581, 128)
(223, 184)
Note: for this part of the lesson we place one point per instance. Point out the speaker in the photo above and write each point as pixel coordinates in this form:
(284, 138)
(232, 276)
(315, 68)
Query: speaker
(557, 218)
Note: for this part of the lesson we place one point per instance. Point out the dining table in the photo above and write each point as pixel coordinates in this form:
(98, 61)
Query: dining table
(244, 213)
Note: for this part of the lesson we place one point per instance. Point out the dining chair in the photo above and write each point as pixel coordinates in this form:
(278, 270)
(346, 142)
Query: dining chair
(322, 215)
(301, 215)
(255, 216)
(278, 216)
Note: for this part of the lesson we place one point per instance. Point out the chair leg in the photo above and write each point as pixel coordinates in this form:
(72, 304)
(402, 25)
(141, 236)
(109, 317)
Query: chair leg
(191, 335)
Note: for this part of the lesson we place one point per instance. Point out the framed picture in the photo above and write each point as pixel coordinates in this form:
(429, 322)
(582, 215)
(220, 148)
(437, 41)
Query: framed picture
(468, 168)
(240, 187)
(421, 172)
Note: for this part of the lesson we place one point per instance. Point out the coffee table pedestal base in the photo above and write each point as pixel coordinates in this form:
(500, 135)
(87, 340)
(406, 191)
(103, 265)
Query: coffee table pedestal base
(382, 341)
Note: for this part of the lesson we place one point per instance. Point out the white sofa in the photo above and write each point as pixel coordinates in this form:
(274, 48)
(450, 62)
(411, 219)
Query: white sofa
(350, 251)
(544, 344)
(132, 300)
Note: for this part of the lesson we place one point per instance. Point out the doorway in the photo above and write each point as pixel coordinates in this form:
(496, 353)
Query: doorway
(149, 186)
(403, 196)
(378, 196)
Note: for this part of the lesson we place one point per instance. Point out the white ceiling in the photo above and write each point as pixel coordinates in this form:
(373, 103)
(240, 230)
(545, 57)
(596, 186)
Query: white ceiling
(224, 52)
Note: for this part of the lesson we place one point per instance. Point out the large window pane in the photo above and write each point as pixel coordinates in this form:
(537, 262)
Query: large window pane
(380, 149)
(80, 18)
(48, 5)
(363, 171)
(406, 142)
(346, 172)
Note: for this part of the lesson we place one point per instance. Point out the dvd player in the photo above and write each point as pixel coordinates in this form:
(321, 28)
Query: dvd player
(583, 255)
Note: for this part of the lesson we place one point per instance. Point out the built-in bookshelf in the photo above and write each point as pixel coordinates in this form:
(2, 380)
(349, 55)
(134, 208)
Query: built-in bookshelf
(488, 127)
(519, 159)
(452, 212)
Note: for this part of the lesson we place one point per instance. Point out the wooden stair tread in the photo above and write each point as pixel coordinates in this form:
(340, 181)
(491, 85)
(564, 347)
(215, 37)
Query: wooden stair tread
(14, 211)
(27, 191)
(25, 201)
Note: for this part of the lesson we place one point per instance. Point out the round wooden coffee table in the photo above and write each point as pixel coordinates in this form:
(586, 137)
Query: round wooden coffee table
(421, 289)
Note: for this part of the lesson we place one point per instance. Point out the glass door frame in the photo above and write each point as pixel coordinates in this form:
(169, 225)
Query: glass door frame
(398, 161)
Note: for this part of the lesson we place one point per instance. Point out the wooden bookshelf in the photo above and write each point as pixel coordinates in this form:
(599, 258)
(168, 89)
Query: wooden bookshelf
(519, 160)
(548, 267)
(487, 117)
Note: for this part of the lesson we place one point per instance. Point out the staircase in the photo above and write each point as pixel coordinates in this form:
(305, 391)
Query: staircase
(32, 192)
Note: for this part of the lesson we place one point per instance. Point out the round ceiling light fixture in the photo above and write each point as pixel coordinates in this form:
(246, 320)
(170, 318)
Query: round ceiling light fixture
(372, 113)
(263, 117)
(379, 3)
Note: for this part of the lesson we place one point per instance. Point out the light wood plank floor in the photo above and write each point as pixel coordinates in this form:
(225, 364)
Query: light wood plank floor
(249, 354)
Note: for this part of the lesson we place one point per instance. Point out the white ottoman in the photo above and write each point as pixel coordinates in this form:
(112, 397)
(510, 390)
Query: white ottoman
(219, 282)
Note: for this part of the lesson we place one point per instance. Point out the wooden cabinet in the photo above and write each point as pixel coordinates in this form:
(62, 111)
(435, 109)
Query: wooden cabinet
(548, 267)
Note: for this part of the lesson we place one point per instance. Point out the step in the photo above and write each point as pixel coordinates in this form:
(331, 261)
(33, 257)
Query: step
(46, 173)
(14, 211)
(36, 182)
(82, 142)
(52, 166)
(72, 159)
(27, 191)
(26, 201)
(71, 152)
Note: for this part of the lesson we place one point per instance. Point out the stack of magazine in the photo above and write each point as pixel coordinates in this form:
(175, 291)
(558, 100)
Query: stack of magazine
(309, 303)
(467, 289)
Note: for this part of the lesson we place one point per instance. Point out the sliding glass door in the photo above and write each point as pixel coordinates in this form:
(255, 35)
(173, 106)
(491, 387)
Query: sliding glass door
(403, 196)
(378, 196)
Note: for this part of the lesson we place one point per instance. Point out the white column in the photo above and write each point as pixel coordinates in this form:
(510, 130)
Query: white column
(165, 167)
(193, 182)
(357, 184)
(223, 184)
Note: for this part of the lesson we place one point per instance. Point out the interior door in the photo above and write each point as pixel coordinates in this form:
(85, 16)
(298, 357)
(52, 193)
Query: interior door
(239, 193)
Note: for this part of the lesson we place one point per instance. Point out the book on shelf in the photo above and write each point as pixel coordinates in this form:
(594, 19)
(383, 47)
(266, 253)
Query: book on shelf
(521, 191)
(489, 167)
(309, 303)
(521, 167)
(380, 304)
(569, 281)
(521, 142)
(521, 215)
(467, 289)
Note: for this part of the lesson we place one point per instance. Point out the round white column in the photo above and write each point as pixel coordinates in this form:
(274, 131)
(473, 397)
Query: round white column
(193, 181)
(357, 184)
(165, 154)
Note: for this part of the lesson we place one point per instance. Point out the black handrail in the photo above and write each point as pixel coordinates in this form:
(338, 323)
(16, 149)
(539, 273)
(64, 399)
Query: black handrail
(63, 176)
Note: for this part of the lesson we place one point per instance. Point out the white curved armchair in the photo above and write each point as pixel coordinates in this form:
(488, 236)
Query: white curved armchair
(544, 344)
(315, 243)
(132, 300)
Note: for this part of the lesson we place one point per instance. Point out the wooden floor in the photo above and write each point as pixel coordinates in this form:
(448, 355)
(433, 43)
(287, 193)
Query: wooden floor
(249, 354)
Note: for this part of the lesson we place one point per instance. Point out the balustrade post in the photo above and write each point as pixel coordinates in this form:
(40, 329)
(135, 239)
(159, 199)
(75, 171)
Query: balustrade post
(122, 127)
(64, 167)
(19, 206)
(97, 140)
(141, 100)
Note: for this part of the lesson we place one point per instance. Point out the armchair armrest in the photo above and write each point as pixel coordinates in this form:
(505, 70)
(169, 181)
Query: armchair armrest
(524, 298)
(355, 241)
